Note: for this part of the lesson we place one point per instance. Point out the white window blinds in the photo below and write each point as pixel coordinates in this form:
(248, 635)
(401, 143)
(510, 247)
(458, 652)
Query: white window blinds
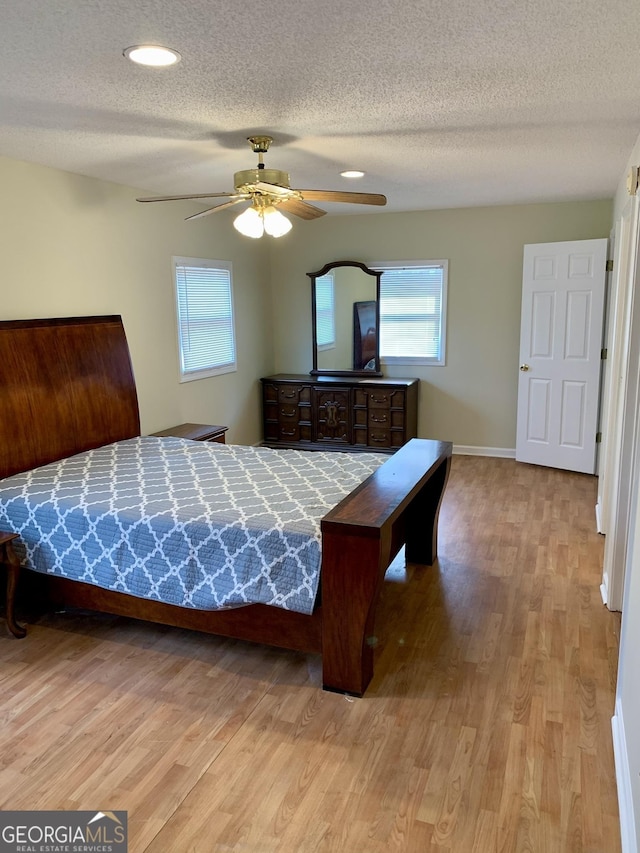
(325, 311)
(412, 311)
(205, 317)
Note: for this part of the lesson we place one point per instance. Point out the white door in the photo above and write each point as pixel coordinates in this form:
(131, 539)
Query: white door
(560, 347)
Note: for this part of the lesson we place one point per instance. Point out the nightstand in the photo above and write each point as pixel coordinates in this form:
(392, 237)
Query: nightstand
(10, 561)
(196, 432)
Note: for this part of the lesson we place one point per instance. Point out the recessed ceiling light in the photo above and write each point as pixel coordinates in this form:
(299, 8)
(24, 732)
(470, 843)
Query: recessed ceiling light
(152, 54)
(352, 173)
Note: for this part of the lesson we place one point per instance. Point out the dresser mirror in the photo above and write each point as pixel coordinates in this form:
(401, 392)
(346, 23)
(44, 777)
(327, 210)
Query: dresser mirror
(345, 319)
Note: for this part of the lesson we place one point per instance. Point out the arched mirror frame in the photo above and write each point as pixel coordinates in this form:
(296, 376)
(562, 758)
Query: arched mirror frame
(377, 274)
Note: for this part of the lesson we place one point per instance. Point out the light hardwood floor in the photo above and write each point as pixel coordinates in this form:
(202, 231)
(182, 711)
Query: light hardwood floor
(486, 727)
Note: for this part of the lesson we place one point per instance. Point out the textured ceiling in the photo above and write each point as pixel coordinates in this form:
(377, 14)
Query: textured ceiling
(444, 103)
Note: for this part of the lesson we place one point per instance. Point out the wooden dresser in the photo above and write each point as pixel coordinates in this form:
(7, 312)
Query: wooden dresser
(339, 412)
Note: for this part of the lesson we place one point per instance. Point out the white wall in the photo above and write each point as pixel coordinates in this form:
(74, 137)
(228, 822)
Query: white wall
(472, 400)
(78, 246)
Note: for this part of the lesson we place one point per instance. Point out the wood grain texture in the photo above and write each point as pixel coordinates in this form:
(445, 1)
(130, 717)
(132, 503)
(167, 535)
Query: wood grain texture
(67, 386)
(486, 726)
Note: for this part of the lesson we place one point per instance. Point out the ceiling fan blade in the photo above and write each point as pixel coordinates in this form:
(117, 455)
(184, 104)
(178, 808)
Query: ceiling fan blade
(187, 197)
(300, 208)
(216, 208)
(273, 189)
(348, 197)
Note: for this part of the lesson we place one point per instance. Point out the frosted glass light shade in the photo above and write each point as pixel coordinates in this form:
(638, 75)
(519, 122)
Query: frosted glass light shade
(249, 223)
(275, 224)
(254, 222)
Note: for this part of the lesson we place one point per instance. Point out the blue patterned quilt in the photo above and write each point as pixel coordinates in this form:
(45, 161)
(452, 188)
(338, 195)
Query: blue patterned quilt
(190, 523)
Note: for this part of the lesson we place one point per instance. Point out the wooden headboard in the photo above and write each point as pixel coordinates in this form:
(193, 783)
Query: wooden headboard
(66, 385)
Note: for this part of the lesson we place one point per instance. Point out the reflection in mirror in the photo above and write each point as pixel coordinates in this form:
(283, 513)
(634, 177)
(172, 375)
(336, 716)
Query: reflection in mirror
(325, 317)
(345, 319)
(365, 335)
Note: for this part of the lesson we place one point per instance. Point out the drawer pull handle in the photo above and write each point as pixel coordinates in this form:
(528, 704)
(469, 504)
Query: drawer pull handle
(290, 395)
(379, 440)
(288, 432)
(381, 420)
(287, 414)
(379, 399)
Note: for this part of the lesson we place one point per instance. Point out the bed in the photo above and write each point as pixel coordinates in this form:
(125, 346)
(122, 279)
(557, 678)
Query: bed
(70, 408)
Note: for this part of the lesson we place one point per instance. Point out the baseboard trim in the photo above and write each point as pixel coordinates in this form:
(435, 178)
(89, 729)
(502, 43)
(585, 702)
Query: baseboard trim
(623, 780)
(604, 593)
(470, 450)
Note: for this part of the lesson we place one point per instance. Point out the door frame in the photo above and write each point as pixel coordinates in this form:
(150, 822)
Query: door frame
(620, 409)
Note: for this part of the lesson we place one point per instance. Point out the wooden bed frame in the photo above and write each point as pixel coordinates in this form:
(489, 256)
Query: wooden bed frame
(68, 386)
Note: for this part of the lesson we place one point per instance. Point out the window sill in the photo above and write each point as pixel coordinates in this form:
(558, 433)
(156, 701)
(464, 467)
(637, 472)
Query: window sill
(207, 374)
(416, 362)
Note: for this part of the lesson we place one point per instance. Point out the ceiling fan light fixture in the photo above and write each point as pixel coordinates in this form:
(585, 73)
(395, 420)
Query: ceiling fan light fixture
(152, 55)
(352, 173)
(268, 189)
(275, 223)
(262, 218)
(249, 223)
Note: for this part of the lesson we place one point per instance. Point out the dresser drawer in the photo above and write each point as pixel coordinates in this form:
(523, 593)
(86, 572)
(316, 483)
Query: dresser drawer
(294, 432)
(287, 412)
(294, 394)
(381, 399)
(379, 418)
(379, 438)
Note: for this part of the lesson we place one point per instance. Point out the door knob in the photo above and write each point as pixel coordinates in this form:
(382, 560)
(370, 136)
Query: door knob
(524, 367)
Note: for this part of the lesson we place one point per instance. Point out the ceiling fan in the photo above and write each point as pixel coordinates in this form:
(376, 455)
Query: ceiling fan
(269, 192)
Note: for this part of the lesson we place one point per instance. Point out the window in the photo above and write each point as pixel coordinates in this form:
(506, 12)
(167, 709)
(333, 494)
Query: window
(206, 337)
(413, 300)
(325, 312)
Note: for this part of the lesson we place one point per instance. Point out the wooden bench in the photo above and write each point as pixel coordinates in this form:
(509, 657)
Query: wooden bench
(398, 505)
